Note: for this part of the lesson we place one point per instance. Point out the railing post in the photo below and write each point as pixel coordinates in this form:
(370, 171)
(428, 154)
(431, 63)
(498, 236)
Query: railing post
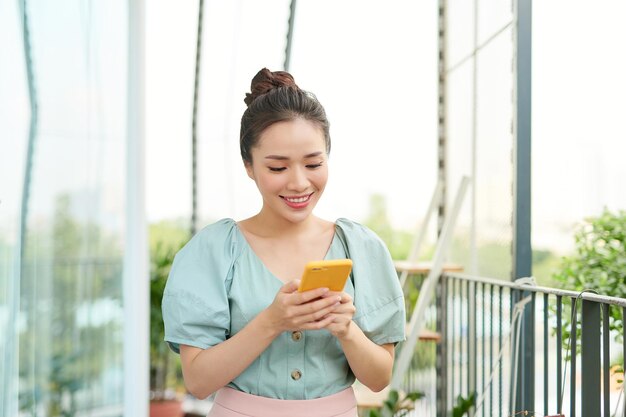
(624, 355)
(421, 233)
(572, 362)
(559, 350)
(525, 394)
(471, 342)
(590, 345)
(442, 351)
(606, 361)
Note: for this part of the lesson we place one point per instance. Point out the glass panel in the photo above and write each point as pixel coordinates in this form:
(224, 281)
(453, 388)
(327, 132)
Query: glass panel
(460, 31)
(482, 240)
(70, 318)
(170, 56)
(239, 38)
(493, 15)
(459, 158)
(220, 170)
(14, 122)
(494, 141)
(578, 112)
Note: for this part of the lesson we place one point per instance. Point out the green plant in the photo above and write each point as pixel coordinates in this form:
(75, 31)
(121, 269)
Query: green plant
(463, 405)
(599, 264)
(397, 406)
(166, 240)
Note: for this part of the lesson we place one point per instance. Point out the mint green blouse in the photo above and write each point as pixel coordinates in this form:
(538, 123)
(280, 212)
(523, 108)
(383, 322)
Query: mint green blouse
(217, 285)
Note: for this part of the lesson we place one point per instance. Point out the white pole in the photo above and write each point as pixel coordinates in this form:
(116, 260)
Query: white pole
(421, 233)
(136, 272)
(427, 289)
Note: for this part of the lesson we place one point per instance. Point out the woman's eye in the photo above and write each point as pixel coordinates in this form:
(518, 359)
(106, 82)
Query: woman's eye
(273, 169)
(313, 166)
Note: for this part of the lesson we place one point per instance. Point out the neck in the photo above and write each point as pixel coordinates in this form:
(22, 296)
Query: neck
(273, 226)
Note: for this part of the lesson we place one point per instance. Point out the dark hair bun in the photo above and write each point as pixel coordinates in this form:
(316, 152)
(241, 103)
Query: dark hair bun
(265, 81)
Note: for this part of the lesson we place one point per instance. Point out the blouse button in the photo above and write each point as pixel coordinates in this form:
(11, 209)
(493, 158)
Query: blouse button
(296, 336)
(296, 374)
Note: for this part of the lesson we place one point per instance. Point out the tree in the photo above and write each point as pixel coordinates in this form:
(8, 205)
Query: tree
(71, 268)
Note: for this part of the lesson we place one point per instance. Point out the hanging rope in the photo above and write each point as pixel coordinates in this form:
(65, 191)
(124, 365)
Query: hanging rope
(194, 124)
(292, 16)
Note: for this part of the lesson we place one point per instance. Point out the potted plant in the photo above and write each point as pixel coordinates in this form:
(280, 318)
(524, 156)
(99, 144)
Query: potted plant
(166, 386)
(598, 262)
(397, 405)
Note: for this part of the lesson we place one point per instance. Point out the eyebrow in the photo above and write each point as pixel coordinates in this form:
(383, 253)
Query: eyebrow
(285, 158)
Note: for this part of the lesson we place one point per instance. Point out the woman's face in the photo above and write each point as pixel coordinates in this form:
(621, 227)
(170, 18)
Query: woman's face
(289, 166)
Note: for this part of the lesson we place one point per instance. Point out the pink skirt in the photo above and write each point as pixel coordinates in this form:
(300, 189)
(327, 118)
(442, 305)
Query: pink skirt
(232, 403)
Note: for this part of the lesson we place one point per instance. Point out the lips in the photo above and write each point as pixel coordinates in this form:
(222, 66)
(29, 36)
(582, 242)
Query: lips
(297, 201)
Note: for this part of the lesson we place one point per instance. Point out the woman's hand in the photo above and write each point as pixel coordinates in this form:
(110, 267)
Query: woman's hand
(341, 316)
(309, 310)
(371, 363)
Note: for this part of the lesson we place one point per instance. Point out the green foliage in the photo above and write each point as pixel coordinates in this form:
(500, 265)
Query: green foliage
(397, 241)
(169, 234)
(396, 405)
(463, 405)
(495, 260)
(545, 264)
(425, 356)
(599, 259)
(493, 257)
(71, 269)
(377, 219)
(166, 238)
(598, 264)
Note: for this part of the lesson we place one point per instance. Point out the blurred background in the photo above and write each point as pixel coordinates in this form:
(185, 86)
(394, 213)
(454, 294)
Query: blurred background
(96, 110)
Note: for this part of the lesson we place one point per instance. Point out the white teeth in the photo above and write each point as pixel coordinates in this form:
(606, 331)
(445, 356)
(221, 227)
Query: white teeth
(297, 200)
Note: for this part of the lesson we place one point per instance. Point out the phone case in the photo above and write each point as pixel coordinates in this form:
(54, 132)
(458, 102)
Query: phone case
(331, 274)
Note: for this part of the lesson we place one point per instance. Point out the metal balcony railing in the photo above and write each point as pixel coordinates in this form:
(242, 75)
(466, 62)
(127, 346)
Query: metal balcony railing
(484, 349)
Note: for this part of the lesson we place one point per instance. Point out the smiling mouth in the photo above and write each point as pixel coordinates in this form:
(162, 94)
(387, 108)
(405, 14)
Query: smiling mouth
(297, 200)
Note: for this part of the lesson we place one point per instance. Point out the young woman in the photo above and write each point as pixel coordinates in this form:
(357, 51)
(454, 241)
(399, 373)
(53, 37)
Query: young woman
(231, 306)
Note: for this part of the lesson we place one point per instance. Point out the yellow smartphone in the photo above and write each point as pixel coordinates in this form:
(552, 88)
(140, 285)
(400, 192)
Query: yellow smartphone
(331, 274)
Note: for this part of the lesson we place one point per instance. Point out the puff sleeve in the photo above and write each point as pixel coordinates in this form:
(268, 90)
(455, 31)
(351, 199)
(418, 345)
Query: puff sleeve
(378, 297)
(195, 301)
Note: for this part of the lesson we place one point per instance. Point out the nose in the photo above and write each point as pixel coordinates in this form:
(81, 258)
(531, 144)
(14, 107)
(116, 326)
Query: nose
(298, 180)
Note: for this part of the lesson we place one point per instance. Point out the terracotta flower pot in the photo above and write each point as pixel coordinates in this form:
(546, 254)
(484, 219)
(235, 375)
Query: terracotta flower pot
(166, 408)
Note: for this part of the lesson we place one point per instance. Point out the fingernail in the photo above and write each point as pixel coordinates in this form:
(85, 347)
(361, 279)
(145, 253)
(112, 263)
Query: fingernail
(339, 298)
